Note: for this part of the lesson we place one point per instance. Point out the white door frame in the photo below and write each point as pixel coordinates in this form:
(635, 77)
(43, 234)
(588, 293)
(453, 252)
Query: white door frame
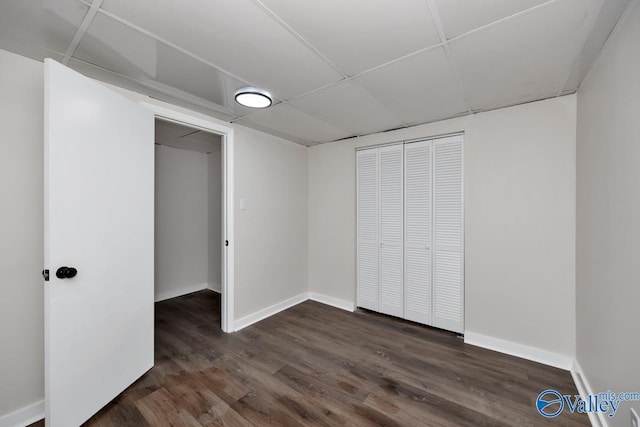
(226, 133)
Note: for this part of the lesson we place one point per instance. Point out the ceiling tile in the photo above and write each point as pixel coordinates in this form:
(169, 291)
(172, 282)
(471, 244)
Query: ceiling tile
(237, 36)
(360, 34)
(538, 53)
(179, 136)
(349, 107)
(461, 16)
(166, 130)
(204, 137)
(118, 48)
(610, 13)
(287, 120)
(190, 145)
(35, 27)
(419, 89)
(150, 89)
(521, 59)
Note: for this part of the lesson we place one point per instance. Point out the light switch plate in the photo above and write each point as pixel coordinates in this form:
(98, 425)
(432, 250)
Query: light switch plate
(634, 418)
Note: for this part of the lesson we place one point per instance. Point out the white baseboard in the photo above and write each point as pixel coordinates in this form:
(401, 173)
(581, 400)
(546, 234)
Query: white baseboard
(334, 302)
(584, 388)
(24, 416)
(269, 311)
(178, 292)
(519, 350)
(215, 287)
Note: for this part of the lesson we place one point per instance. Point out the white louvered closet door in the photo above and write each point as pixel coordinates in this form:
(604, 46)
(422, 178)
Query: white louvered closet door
(417, 235)
(367, 220)
(448, 226)
(391, 229)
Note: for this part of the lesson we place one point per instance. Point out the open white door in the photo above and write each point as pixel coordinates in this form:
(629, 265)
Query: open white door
(99, 204)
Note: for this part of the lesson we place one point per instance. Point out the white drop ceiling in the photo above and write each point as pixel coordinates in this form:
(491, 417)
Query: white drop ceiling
(337, 68)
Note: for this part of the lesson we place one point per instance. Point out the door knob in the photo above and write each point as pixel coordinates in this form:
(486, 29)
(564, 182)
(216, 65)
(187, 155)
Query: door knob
(66, 272)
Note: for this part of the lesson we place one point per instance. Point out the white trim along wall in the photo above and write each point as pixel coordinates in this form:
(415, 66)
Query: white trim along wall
(24, 416)
(519, 180)
(519, 226)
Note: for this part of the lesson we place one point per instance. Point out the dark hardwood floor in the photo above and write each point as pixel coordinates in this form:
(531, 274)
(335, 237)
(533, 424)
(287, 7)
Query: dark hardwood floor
(317, 365)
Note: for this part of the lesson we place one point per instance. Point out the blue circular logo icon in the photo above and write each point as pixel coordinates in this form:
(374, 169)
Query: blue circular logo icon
(549, 403)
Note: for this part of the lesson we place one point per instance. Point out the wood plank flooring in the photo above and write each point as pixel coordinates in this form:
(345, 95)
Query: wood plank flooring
(317, 365)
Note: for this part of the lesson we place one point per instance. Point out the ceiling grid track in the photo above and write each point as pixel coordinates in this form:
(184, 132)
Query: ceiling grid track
(301, 112)
(444, 43)
(317, 52)
(441, 44)
(371, 96)
(632, 4)
(379, 103)
(82, 29)
(435, 15)
(354, 83)
(174, 46)
(398, 59)
(291, 31)
(585, 36)
(501, 20)
(96, 7)
(581, 41)
(298, 36)
(164, 90)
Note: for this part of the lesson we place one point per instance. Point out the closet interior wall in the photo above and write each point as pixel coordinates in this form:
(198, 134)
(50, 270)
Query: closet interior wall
(188, 211)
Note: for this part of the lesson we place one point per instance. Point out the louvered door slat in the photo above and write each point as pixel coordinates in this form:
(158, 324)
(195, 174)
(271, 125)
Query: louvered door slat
(448, 211)
(391, 229)
(367, 232)
(418, 235)
(410, 232)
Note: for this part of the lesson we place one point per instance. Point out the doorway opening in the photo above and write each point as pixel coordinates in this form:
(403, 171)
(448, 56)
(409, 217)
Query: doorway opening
(216, 142)
(188, 214)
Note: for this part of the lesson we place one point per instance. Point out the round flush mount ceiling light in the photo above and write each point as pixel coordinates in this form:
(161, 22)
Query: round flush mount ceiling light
(253, 97)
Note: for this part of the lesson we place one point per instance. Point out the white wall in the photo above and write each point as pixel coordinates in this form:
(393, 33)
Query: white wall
(271, 234)
(21, 232)
(332, 217)
(214, 194)
(181, 222)
(519, 220)
(271, 245)
(608, 221)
